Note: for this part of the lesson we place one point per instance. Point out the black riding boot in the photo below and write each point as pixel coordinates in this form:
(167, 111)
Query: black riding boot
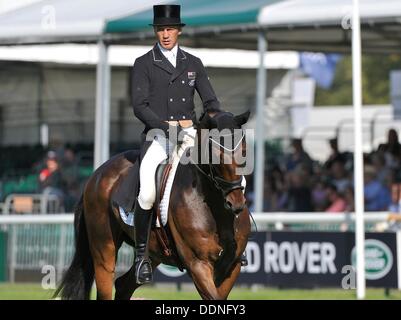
(142, 224)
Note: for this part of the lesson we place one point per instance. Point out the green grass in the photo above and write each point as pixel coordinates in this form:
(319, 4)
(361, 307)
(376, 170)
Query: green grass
(35, 292)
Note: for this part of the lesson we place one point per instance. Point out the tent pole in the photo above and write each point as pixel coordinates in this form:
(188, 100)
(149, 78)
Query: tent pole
(260, 136)
(358, 155)
(102, 117)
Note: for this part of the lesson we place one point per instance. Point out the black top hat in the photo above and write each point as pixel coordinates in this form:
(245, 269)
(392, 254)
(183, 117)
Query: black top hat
(167, 15)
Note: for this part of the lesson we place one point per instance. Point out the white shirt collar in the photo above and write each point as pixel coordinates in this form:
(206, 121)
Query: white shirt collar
(165, 51)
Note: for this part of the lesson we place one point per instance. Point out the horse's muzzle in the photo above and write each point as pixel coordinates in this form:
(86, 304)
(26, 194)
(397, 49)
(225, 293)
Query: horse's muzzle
(233, 209)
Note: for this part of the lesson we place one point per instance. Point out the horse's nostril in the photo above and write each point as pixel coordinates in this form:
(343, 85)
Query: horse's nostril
(228, 205)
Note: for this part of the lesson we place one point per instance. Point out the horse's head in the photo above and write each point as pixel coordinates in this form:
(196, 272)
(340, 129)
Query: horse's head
(224, 143)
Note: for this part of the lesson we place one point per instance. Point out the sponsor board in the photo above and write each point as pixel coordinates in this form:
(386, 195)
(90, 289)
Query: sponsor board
(309, 259)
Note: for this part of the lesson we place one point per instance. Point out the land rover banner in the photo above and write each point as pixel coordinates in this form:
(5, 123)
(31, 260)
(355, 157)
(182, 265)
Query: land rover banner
(311, 259)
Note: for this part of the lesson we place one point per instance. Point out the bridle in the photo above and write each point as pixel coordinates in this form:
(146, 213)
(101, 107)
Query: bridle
(221, 184)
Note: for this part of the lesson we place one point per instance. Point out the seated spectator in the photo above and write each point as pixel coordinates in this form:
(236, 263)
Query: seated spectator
(377, 197)
(394, 206)
(349, 199)
(70, 177)
(337, 202)
(298, 157)
(50, 179)
(391, 150)
(335, 154)
(339, 176)
(298, 197)
(274, 188)
(383, 173)
(319, 196)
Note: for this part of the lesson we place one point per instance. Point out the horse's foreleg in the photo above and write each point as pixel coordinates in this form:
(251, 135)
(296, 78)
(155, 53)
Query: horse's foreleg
(126, 284)
(202, 276)
(225, 288)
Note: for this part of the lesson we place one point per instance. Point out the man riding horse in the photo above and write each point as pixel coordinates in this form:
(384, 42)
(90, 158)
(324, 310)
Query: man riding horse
(163, 85)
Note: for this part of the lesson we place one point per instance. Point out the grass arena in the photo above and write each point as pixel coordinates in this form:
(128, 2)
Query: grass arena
(28, 291)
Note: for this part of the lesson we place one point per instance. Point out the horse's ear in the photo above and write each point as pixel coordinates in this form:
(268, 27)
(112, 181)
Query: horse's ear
(242, 118)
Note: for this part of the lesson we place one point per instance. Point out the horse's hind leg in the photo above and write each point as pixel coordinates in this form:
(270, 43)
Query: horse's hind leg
(104, 264)
(126, 284)
(103, 250)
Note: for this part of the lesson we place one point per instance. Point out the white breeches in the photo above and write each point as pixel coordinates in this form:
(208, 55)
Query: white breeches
(157, 152)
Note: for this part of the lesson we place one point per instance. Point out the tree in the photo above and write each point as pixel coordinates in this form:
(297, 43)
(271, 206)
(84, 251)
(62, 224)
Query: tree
(375, 81)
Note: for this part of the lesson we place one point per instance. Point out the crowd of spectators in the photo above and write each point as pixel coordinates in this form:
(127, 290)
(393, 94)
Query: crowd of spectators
(294, 182)
(297, 183)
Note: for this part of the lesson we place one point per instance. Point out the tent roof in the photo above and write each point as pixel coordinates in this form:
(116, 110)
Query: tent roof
(324, 12)
(304, 25)
(195, 14)
(56, 21)
(324, 25)
(84, 21)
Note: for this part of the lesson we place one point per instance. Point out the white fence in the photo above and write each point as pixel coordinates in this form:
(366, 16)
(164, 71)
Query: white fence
(43, 203)
(38, 240)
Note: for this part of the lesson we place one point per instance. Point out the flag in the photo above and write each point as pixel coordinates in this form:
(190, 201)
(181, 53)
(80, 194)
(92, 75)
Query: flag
(320, 66)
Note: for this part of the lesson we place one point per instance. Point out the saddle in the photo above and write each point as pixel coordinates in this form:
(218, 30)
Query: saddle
(128, 189)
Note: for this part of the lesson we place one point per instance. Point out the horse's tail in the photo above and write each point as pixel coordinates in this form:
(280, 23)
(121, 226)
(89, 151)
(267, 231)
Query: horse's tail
(77, 281)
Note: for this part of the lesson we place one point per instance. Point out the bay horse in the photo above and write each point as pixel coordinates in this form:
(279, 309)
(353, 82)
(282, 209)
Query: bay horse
(208, 223)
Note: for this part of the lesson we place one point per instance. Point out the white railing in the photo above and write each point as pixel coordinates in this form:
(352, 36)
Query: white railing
(318, 217)
(44, 203)
(38, 240)
(64, 218)
(262, 217)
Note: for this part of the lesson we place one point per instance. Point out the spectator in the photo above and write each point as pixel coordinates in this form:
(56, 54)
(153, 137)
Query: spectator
(394, 206)
(319, 196)
(377, 197)
(339, 176)
(337, 202)
(349, 199)
(383, 173)
(50, 179)
(70, 177)
(275, 186)
(335, 154)
(298, 157)
(391, 150)
(299, 197)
